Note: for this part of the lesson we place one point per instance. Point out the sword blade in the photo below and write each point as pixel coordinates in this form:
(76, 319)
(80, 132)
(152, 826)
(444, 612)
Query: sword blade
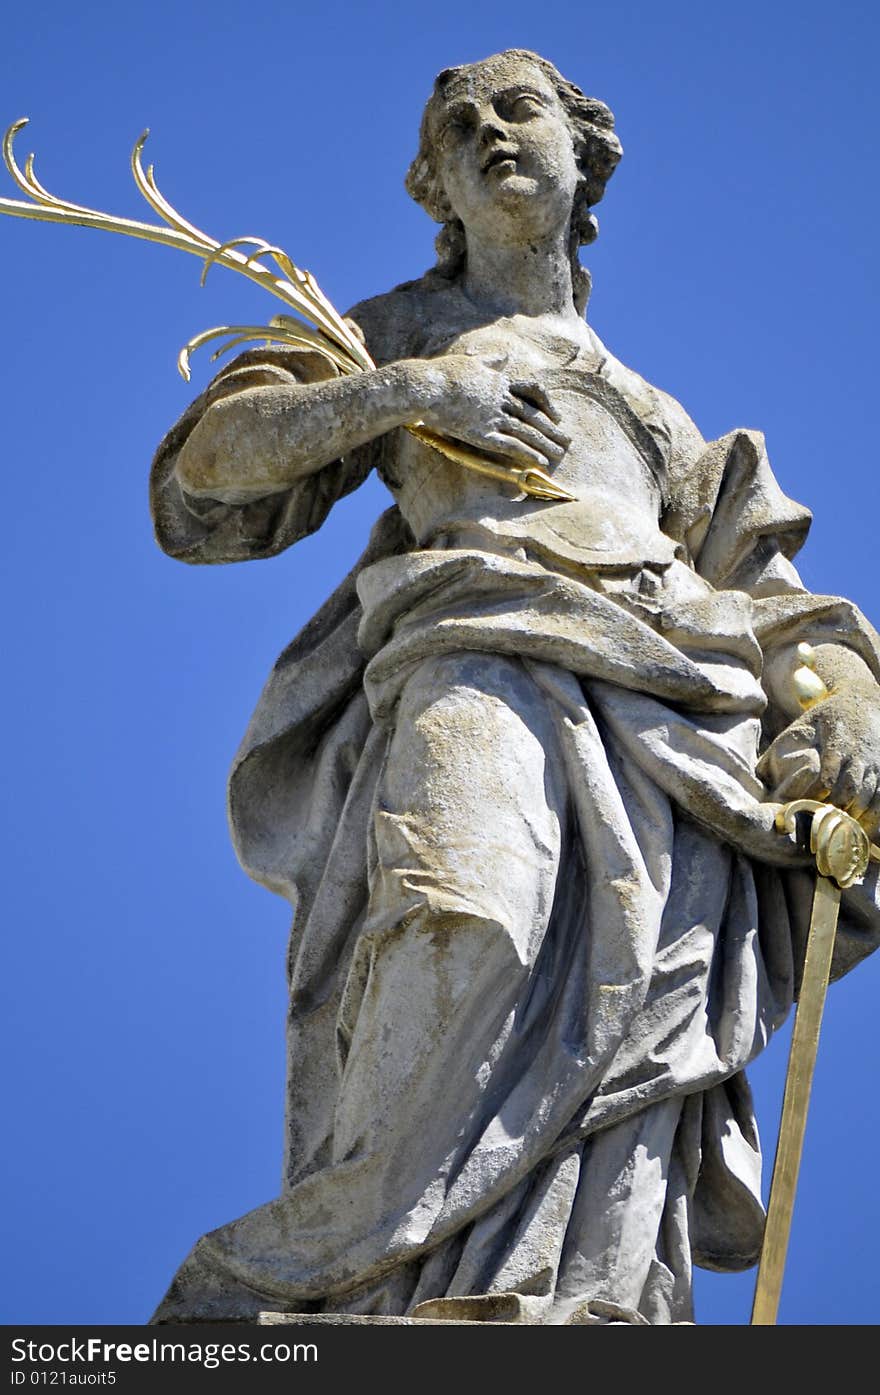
(798, 1083)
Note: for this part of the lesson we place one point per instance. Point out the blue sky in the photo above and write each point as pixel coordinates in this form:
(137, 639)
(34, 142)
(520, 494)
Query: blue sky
(736, 267)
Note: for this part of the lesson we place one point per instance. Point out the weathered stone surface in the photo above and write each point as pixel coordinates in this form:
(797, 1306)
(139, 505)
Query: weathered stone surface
(515, 776)
(507, 1314)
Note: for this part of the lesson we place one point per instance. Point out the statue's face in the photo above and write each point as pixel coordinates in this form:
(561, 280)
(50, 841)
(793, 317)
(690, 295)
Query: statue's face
(504, 151)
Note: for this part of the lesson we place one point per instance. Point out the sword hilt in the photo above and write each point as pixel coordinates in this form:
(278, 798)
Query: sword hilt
(838, 842)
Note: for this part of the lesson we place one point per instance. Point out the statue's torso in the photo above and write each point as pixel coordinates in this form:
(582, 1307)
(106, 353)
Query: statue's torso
(613, 467)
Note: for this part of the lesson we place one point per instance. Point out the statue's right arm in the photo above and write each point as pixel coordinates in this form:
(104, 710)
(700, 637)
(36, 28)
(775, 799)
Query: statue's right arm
(261, 440)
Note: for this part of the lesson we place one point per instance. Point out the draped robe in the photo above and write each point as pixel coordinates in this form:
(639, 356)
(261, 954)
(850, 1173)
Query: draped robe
(517, 1043)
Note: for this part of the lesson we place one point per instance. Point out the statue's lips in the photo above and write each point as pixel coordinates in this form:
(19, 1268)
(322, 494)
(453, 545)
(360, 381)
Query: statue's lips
(500, 159)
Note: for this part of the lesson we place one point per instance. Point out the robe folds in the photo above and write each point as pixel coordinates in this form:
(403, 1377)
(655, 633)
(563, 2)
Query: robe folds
(517, 1043)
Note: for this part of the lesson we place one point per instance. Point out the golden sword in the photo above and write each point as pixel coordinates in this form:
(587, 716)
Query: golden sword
(842, 851)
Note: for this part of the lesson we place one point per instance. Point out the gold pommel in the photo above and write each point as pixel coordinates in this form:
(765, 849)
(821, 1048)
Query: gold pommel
(839, 844)
(808, 686)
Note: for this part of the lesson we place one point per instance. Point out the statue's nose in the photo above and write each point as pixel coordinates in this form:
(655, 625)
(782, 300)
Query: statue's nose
(491, 126)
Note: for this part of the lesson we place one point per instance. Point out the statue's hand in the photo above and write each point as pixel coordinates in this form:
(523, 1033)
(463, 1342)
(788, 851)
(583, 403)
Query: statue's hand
(462, 397)
(831, 753)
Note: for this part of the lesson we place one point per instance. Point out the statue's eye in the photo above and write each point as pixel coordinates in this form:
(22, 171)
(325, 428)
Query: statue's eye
(523, 107)
(454, 132)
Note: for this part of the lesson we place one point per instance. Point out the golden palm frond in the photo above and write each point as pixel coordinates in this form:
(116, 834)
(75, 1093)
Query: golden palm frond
(320, 328)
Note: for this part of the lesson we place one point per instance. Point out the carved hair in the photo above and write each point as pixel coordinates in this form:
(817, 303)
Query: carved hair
(597, 152)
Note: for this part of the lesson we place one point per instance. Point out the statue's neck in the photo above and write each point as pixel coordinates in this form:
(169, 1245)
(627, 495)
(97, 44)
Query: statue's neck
(521, 279)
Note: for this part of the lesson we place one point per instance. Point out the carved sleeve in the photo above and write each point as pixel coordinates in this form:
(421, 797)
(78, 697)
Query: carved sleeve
(208, 530)
(741, 533)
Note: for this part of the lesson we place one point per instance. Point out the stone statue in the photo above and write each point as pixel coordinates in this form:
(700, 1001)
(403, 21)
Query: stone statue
(518, 776)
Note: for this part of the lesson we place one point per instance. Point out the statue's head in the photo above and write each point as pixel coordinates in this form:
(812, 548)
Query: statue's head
(508, 148)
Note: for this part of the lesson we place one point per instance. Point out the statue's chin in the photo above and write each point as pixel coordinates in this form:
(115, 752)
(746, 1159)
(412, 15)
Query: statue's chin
(505, 182)
(516, 209)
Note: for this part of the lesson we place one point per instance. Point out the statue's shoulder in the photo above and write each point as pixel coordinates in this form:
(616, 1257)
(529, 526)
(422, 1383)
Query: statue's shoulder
(399, 322)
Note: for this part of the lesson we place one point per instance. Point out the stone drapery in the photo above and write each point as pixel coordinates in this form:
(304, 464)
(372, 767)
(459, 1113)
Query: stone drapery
(517, 1052)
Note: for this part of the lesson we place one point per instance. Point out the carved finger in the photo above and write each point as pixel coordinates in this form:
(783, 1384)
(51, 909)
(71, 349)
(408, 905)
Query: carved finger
(830, 769)
(861, 801)
(870, 820)
(848, 783)
(531, 436)
(798, 782)
(534, 393)
(538, 418)
(790, 758)
(515, 450)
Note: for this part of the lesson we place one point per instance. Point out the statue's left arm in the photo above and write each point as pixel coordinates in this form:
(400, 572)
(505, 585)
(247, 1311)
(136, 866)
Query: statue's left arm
(741, 533)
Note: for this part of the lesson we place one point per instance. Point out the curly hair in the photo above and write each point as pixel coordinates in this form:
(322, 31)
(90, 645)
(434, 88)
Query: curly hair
(597, 152)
